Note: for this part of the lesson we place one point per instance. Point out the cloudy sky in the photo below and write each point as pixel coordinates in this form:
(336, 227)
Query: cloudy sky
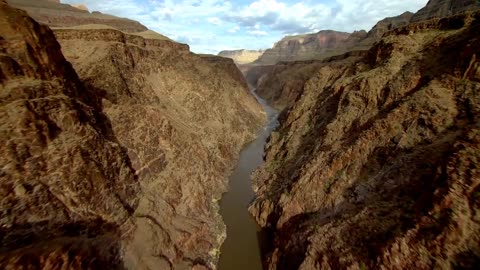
(209, 26)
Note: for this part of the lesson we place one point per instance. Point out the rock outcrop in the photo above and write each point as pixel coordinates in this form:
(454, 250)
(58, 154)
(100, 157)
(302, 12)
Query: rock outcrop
(67, 188)
(376, 164)
(184, 119)
(242, 56)
(444, 8)
(55, 14)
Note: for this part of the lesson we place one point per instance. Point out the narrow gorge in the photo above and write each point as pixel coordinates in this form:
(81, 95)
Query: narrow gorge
(123, 148)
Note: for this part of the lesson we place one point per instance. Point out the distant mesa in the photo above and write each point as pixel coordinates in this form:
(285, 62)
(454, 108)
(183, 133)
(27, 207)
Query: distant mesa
(242, 56)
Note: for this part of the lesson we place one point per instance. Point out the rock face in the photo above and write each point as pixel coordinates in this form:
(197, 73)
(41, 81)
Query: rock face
(55, 14)
(376, 165)
(184, 119)
(444, 8)
(123, 164)
(66, 185)
(242, 56)
(388, 24)
(303, 47)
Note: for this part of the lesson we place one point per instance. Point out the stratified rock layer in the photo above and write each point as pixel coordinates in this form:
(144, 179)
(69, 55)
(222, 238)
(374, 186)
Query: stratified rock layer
(376, 165)
(184, 119)
(303, 47)
(66, 185)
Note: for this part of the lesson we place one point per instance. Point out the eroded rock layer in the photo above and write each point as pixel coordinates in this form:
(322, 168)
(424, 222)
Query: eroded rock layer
(375, 166)
(184, 119)
(67, 189)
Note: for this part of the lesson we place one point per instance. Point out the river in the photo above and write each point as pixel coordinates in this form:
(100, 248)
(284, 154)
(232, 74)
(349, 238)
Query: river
(241, 248)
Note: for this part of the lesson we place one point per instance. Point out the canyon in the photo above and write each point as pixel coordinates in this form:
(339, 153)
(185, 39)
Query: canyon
(122, 149)
(127, 114)
(375, 162)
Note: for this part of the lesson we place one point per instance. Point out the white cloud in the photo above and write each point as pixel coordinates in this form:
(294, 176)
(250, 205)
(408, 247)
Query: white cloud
(214, 20)
(258, 33)
(234, 29)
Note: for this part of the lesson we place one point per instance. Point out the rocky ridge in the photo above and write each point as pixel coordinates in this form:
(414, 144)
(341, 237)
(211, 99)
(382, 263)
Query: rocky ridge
(375, 165)
(444, 8)
(303, 47)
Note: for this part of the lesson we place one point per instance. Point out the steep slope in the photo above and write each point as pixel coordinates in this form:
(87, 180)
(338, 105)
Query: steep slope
(55, 14)
(376, 165)
(444, 8)
(67, 189)
(184, 119)
(242, 56)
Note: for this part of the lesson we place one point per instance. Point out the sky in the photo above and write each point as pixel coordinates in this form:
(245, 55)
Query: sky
(210, 26)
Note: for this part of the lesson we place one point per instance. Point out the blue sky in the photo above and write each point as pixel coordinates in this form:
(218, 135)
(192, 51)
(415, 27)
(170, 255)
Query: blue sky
(209, 26)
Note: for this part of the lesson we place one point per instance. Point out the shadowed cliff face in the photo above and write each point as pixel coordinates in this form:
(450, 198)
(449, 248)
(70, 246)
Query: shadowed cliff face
(375, 166)
(66, 185)
(184, 119)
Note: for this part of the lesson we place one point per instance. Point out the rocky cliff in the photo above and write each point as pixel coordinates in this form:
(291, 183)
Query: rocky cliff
(444, 8)
(138, 160)
(303, 47)
(183, 118)
(55, 14)
(242, 56)
(376, 164)
(67, 188)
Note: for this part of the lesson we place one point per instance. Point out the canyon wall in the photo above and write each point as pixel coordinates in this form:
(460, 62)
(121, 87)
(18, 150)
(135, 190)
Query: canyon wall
(301, 47)
(375, 162)
(67, 187)
(184, 119)
(127, 168)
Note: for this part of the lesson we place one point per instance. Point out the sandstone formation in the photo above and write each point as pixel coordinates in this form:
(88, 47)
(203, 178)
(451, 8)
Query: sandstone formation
(303, 47)
(376, 163)
(242, 56)
(55, 14)
(183, 118)
(444, 8)
(67, 188)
